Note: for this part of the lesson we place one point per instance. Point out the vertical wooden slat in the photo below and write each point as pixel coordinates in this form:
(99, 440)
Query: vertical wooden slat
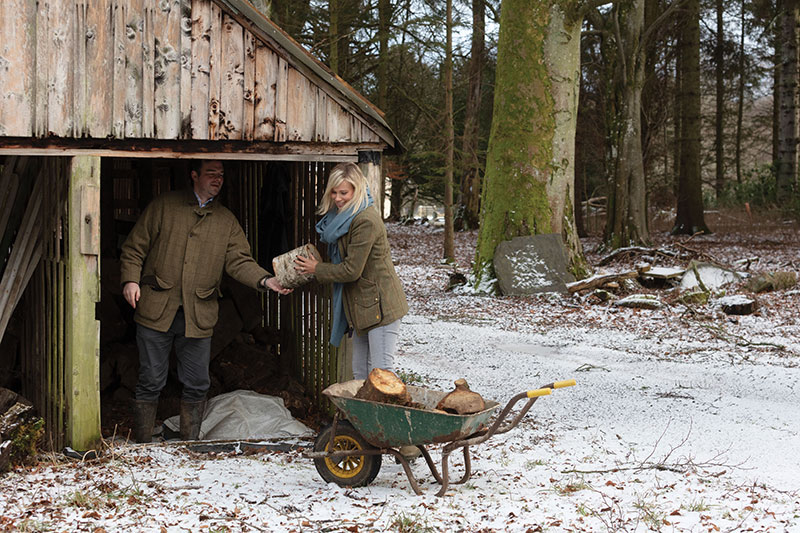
(185, 14)
(17, 57)
(215, 73)
(231, 65)
(201, 56)
(134, 68)
(60, 69)
(148, 69)
(266, 74)
(321, 119)
(42, 69)
(167, 69)
(82, 368)
(249, 93)
(99, 67)
(281, 99)
(118, 82)
(79, 94)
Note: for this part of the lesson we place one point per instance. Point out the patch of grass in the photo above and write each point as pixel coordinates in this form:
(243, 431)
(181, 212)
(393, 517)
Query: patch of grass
(29, 526)
(583, 511)
(698, 506)
(412, 523)
(411, 378)
(650, 514)
(571, 488)
(84, 500)
(530, 465)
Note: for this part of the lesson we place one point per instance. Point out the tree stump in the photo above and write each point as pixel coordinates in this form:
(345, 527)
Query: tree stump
(283, 266)
(385, 387)
(462, 401)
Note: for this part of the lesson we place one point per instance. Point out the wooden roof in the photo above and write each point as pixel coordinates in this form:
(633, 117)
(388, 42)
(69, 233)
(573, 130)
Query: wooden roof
(171, 70)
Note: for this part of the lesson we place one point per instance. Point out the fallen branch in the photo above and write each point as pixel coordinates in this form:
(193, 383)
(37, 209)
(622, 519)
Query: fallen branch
(602, 279)
(637, 250)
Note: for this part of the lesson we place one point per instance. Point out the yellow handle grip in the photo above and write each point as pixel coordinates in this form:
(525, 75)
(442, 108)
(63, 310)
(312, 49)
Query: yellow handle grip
(539, 392)
(564, 383)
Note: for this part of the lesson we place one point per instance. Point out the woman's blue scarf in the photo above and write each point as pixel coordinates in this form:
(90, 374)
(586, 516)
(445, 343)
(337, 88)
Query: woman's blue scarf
(331, 227)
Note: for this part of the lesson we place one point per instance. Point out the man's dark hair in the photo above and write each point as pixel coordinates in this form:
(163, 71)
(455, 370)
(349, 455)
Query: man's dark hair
(196, 165)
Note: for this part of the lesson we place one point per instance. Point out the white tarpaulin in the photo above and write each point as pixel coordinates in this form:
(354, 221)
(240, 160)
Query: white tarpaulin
(245, 414)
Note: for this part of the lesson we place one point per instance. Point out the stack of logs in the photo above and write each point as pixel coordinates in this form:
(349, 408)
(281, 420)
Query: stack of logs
(384, 386)
(14, 411)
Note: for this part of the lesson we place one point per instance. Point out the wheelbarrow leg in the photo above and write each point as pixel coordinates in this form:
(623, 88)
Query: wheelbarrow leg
(445, 480)
(467, 467)
(407, 467)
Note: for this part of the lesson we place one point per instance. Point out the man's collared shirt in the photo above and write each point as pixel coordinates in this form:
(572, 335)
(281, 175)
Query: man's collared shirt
(200, 203)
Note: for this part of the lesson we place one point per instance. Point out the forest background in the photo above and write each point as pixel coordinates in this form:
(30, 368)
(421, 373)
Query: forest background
(528, 117)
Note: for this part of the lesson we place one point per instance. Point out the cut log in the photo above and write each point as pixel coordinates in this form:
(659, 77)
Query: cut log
(462, 401)
(385, 387)
(284, 266)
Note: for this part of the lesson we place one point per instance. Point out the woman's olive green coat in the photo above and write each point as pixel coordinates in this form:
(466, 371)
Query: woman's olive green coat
(373, 295)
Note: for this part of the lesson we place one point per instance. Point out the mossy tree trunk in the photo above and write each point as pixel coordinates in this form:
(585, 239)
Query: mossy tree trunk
(787, 144)
(449, 245)
(529, 181)
(627, 203)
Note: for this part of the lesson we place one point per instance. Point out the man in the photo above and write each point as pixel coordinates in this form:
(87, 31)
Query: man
(171, 265)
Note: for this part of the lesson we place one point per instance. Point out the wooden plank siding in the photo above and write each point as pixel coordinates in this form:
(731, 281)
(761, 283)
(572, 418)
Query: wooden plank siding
(162, 69)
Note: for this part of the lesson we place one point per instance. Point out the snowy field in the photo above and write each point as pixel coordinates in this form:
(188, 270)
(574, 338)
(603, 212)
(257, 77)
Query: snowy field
(681, 420)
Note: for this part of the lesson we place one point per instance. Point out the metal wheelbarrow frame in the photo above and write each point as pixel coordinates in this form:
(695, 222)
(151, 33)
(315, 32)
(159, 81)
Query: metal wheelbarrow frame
(348, 452)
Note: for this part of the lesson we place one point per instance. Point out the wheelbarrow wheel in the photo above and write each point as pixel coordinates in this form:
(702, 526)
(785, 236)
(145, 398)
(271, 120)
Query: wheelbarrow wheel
(350, 471)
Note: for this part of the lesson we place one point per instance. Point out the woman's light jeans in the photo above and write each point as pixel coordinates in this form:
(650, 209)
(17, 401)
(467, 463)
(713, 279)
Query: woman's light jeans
(375, 349)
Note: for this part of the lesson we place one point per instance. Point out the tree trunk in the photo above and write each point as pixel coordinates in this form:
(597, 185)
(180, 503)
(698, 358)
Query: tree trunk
(719, 151)
(449, 246)
(740, 106)
(333, 35)
(529, 181)
(471, 177)
(787, 151)
(626, 224)
(384, 21)
(690, 218)
(776, 91)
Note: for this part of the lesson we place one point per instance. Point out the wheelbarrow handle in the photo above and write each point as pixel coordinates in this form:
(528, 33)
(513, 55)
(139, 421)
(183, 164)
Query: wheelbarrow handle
(564, 383)
(538, 392)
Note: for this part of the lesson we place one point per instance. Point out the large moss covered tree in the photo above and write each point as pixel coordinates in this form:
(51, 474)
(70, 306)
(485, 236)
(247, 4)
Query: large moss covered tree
(529, 180)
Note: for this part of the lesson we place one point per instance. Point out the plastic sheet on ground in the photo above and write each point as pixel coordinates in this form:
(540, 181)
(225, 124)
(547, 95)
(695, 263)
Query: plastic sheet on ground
(245, 414)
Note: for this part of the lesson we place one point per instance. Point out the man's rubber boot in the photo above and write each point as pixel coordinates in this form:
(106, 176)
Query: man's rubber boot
(191, 418)
(144, 417)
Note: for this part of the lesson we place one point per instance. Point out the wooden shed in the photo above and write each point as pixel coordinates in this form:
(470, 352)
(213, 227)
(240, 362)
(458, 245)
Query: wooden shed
(102, 102)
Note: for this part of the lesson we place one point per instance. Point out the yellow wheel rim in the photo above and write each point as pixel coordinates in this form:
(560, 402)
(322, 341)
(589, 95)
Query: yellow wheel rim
(345, 467)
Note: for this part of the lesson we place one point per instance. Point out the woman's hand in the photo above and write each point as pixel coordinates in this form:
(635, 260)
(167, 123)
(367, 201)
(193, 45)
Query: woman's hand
(305, 265)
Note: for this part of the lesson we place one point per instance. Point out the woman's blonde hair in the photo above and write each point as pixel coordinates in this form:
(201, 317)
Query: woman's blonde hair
(350, 173)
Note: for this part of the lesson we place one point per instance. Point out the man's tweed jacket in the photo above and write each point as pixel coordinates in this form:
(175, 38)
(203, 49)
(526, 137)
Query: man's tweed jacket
(177, 252)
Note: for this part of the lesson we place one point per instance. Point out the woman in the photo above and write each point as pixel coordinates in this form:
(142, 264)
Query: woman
(367, 295)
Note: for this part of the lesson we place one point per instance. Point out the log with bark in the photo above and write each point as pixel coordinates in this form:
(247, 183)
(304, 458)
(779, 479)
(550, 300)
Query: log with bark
(604, 279)
(462, 401)
(385, 387)
(284, 266)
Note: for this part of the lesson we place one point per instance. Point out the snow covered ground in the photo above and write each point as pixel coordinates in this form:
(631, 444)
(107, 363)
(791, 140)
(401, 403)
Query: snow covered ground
(681, 420)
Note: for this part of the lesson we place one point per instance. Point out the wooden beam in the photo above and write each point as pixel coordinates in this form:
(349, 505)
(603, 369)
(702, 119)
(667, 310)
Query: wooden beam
(82, 361)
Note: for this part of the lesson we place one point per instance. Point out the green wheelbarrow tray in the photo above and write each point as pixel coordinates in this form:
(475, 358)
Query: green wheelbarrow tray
(349, 452)
(388, 426)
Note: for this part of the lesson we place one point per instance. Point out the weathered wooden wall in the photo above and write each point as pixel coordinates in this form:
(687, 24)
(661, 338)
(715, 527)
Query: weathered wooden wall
(162, 69)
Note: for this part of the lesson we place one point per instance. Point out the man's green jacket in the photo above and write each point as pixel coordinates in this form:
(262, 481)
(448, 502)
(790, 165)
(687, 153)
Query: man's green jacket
(177, 252)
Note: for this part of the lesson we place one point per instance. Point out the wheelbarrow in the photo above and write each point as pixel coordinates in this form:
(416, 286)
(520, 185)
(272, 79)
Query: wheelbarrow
(349, 451)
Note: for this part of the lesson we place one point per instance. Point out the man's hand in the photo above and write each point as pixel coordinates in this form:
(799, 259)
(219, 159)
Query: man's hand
(131, 293)
(272, 283)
